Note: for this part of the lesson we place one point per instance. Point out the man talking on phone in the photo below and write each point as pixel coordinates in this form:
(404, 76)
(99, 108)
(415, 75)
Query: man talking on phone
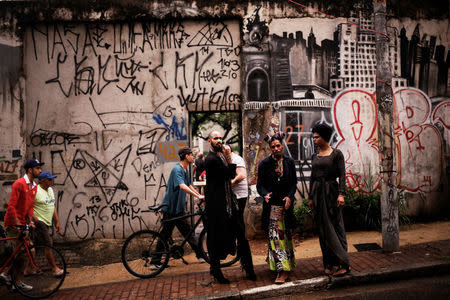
(222, 222)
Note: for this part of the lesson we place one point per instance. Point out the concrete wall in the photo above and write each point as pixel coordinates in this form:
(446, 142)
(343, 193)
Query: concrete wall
(108, 107)
(12, 93)
(102, 95)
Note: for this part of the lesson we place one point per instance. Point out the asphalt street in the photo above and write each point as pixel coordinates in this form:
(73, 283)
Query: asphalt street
(433, 288)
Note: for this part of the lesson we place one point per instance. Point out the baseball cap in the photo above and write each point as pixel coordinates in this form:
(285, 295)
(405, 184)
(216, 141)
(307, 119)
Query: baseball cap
(31, 163)
(46, 175)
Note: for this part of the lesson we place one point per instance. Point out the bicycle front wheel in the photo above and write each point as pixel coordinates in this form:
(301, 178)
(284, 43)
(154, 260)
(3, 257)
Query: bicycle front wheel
(42, 282)
(230, 260)
(145, 254)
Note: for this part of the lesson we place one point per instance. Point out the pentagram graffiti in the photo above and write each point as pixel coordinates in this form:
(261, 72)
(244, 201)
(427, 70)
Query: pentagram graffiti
(107, 177)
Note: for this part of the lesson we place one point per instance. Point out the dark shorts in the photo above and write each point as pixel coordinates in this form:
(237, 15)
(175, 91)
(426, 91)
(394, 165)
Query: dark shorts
(41, 234)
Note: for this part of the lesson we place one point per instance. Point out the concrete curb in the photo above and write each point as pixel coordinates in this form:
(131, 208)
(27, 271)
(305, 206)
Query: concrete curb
(392, 273)
(325, 282)
(272, 290)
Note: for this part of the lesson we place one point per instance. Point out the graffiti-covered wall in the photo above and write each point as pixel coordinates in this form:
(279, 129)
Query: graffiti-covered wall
(108, 107)
(102, 94)
(12, 89)
(331, 65)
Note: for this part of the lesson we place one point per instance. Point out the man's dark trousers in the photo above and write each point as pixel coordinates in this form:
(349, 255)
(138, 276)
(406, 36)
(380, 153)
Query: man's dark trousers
(166, 234)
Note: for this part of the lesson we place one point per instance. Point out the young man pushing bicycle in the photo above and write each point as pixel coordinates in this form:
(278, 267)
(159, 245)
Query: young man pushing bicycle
(20, 212)
(175, 200)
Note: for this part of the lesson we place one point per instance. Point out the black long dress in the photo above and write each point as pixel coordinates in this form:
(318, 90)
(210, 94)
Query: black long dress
(328, 217)
(221, 208)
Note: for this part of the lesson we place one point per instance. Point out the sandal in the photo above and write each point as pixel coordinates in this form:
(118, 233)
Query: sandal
(329, 270)
(282, 278)
(341, 271)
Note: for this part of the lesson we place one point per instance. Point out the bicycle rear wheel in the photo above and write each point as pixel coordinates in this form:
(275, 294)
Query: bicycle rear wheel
(230, 260)
(42, 282)
(138, 250)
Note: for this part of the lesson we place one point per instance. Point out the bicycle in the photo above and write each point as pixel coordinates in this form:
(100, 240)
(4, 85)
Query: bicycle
(42, 280)
(138, 249)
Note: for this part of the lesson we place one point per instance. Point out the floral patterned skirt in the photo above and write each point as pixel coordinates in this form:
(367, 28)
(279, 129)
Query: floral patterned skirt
(281, 248)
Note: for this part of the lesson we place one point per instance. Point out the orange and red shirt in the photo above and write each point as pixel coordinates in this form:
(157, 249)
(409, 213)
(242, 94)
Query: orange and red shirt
(21, 201)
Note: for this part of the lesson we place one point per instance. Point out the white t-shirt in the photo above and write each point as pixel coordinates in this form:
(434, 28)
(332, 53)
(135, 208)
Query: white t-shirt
(44, 205)
(240, 189)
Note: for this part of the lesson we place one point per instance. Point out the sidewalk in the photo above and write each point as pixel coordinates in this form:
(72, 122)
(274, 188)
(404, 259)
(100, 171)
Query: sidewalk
(430, 257)
(369, 266)
(304, 248)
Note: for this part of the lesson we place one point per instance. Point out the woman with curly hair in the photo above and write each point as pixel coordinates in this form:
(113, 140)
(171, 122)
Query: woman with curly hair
(277, 182)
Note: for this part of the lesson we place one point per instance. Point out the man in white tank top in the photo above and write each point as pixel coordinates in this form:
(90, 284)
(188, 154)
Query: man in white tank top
(239, 183)
(240, 189)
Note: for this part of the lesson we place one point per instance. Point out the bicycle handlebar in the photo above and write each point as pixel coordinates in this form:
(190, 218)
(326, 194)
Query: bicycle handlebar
(23, 227)
(157, 208)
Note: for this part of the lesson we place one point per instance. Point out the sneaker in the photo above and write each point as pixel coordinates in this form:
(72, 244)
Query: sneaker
(155, 266)
(24, 286)
(58, 273)
(5, 278)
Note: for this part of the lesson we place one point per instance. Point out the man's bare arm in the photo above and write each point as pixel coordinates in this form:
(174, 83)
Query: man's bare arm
(241, 174)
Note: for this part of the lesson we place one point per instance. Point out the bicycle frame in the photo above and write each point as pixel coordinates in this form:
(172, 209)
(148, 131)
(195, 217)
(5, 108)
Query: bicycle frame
(189, 235)
(18, 247)
(138, 250)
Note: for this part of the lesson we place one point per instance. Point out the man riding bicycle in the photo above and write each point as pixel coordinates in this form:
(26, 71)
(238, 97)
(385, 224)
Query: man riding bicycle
(175, 205)
(19, 213)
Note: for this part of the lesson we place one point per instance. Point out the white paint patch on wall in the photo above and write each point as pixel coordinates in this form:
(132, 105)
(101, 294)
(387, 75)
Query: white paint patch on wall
(438, 28)
(441, 117)
(354, 117)
(419, 143)
(322, 28)
(105, 100)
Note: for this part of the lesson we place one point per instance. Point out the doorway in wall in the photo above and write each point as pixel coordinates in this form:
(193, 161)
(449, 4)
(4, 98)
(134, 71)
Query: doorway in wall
(202, 123)
(228, 123)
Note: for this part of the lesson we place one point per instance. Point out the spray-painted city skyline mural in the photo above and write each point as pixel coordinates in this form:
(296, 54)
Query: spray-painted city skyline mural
(332, 80)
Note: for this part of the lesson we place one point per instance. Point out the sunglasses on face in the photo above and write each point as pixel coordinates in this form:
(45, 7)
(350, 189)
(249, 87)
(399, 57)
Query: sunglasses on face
(217, 138)
(276, 146)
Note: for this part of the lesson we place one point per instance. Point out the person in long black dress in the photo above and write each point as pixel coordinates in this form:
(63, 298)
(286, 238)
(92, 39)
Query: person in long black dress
(327, 199)
(222, 222)
(277, 182)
